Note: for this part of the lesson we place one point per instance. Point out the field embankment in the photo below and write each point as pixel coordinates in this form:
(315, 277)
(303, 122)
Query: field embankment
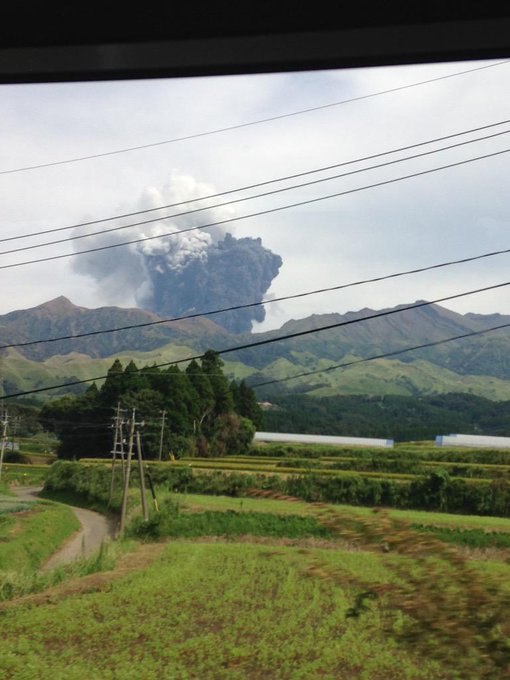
(31, 531)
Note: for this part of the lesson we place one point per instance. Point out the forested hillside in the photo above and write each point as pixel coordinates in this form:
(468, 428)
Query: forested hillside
(205, 415)
(400, 418)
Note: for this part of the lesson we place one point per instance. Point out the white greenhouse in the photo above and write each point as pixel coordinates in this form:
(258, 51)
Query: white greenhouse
(321, 439)
(473, 441)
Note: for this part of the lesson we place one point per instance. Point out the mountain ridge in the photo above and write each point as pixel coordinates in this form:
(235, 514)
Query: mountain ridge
(486, 356)
(60, 317)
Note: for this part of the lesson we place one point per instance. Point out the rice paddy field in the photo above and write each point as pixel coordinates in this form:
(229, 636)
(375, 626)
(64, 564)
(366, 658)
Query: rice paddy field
(206, 610)
(216, 608)
(404, 462)
(216, 586)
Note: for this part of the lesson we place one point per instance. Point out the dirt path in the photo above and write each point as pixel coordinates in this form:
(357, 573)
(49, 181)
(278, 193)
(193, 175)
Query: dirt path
(95, 529)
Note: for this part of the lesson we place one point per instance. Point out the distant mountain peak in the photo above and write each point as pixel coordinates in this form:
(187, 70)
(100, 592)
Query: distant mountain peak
(59, 304)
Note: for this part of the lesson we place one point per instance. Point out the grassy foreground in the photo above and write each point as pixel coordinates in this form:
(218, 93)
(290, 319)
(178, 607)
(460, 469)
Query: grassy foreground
(210, 611)
(23, 474)
(394, 605)
(29, 537)
(201, 502)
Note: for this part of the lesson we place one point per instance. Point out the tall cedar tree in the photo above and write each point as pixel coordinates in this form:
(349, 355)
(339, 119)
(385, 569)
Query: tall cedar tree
(196, 402)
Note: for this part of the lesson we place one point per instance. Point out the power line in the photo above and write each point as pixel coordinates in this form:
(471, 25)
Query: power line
(254, 186)
(267, 341)
(255, 196)
(382, 356)
(73, 425)
(263, 302)
(253, 122)
(256, 214)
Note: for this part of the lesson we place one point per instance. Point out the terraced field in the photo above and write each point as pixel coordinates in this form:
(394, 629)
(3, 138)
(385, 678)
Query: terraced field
(404, 462)
(251, 587)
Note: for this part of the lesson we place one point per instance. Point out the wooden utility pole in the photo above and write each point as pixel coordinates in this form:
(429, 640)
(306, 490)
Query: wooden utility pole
(4, 421)
(127, 475)
(118, 448)
(163, 416)
(133, 429)
(14, 428)
(145, 510)
(153, 491)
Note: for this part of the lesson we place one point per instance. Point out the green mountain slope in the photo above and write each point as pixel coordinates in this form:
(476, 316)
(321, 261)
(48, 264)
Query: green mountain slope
(482, 355)
(381, 377)
(480, 365)
(60, 317)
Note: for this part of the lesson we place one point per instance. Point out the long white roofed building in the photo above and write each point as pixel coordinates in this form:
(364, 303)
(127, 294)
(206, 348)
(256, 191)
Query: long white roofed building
(321, 439)
(473, 441)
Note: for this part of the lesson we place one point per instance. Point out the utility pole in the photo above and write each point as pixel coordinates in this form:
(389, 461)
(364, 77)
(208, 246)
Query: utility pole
(4, 420)
(163, 416)
(145, 511)
(133, 429)
(153, 491)
(118, 448)
(14, 428)
(127, 475)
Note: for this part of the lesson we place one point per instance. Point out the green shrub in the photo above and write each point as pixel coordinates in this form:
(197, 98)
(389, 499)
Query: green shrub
(171, 522)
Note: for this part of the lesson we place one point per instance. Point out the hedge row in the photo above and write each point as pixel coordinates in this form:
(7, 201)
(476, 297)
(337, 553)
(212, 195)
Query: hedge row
(436, 491)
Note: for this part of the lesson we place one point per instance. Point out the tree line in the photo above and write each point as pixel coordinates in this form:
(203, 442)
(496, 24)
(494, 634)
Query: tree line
(391, 416)
(206, 415)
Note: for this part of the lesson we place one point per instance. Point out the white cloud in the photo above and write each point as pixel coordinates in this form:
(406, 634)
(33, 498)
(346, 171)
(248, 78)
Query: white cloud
(454, 213)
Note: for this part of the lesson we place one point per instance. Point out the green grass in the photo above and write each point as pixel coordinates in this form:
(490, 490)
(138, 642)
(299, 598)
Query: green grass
(70, 497)
(211, 611)
(13, 505)
(261, 466)
(400, 464)
(273, 470)
(471, 538)
(222, 610)
(4, 488)
(19, 474)
(27, 540)
(201, 502)
(448, 519)
(221, 503)
(171, 521)
(17, 584)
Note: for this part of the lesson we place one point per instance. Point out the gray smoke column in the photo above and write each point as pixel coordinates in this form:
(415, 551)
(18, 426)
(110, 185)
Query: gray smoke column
(232, 272)
(182, 273)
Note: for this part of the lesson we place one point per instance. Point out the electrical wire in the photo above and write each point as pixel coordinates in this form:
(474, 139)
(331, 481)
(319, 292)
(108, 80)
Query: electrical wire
(267, 341)
(257, 214)
(72, 424)
(284, 298)
(253, 122)
(255, 196)
(254, 186)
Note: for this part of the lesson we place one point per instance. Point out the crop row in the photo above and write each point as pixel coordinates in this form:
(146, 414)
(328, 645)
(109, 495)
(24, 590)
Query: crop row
(437, 491)
(400, 452)
(276, 467)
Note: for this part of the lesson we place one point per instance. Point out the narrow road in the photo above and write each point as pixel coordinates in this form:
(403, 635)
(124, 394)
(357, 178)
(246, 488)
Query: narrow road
(95, 528)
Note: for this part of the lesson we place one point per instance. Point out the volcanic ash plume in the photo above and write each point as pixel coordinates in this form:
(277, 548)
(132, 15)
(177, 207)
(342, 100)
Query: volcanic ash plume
(228, 273)
(188, 270)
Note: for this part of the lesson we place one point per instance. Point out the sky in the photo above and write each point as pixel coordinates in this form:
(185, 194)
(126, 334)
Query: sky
(450, 214)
